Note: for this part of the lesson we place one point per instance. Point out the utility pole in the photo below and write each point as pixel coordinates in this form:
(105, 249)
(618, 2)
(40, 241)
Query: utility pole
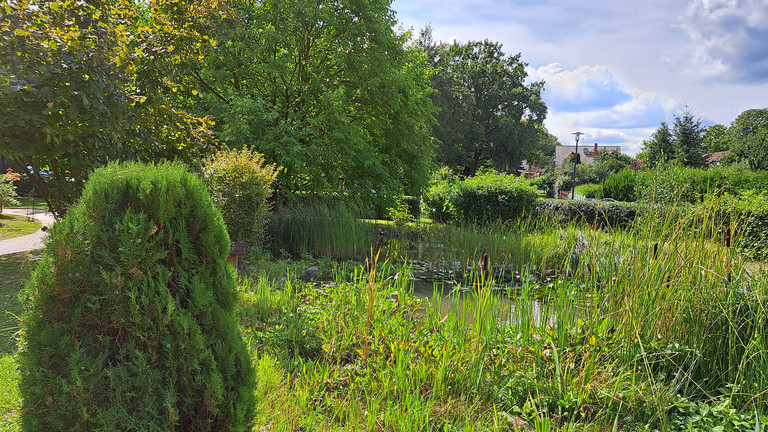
(575, 161)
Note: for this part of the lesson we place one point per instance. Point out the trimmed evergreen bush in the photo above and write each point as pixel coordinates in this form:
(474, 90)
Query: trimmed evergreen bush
(240, 183)
(128, 321)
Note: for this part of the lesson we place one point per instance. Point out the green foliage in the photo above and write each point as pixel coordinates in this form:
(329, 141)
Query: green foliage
(607, 163)
(86, 82)
(437, 198)
(328, 90)
(400, 213)
(585, 174)
(489, 116)
(595, 213)
(621, 186)
(688, 140)
(483, 198)
(749, 135)
(594, 191)
(128, 321)
(660, 148)
(748, 213)
(684, 144)
(8, 189)
(319, 230)
(678, 184)
(240, 183)
(716, 139)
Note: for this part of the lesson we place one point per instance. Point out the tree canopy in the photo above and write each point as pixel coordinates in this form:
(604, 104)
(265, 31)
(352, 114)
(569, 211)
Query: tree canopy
(327, 90)
(683, 144)
(749, 135)
(81, 86)
(489, 115)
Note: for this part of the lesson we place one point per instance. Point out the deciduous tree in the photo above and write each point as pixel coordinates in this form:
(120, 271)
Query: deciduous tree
(489, 115)
(81, 86)
(749, 134)
(327, 90)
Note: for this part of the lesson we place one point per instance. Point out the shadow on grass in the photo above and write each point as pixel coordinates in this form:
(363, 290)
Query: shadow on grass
(15, 270)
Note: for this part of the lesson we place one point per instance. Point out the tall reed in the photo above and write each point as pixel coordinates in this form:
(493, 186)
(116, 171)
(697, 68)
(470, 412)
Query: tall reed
(320, 230)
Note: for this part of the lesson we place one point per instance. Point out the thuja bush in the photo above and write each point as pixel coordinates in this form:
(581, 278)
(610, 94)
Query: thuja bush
(240, 182)
(128, 321)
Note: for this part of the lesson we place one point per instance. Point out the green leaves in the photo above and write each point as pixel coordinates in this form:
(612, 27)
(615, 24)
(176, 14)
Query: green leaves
(74, 74)
(489, 116)
(327, 90)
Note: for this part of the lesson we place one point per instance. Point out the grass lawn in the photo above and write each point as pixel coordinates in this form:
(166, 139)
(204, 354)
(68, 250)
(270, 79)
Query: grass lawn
(15, 269)
(15, 226)
(28, 202)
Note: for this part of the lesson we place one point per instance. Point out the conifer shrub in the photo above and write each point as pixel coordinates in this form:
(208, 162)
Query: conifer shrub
(128, 321)
(240, 183)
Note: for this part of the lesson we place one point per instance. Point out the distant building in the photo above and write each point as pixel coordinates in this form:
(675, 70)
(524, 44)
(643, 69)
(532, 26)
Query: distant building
(587, 153)
(713, 159)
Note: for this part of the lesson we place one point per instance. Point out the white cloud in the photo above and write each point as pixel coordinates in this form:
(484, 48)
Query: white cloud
(591, 100)
(728, 40)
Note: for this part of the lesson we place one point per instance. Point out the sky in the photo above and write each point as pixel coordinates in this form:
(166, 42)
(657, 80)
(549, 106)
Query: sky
(615, 69)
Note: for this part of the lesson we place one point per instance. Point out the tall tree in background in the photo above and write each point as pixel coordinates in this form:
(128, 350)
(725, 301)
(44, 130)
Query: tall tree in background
(716, 139)
(489, 115)
(749, 135)
(75, 92)
(659, 148)
(683, 144)
(688, 137)
(326, 89)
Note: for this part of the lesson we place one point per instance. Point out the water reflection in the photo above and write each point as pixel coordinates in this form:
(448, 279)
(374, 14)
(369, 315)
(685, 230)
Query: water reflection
(453, 299)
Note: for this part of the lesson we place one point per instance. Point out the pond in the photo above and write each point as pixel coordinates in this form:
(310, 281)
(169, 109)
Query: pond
(453, 298)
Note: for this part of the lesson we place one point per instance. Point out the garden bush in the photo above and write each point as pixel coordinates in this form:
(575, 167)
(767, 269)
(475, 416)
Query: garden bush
(485, 197)
(436, 201)
(594, 191)
(128, 321)
(240, 183)
(596, 213)
(621, 186)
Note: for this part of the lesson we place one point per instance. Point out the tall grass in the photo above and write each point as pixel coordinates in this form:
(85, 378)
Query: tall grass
(650, 321)
(320, 230)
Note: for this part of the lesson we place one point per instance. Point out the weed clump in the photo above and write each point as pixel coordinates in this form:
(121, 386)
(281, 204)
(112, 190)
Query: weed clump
(128, 321)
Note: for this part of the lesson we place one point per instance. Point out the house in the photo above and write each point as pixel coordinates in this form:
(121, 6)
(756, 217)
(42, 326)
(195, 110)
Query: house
(713, 159)
(587, 153)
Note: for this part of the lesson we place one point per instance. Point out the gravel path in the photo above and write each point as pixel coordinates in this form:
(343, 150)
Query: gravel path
(28, 242)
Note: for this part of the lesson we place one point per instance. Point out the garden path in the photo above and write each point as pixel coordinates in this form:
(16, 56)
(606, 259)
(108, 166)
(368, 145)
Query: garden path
(28, 242)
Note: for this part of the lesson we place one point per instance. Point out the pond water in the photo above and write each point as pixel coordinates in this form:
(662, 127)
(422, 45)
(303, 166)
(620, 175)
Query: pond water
(453, 297)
